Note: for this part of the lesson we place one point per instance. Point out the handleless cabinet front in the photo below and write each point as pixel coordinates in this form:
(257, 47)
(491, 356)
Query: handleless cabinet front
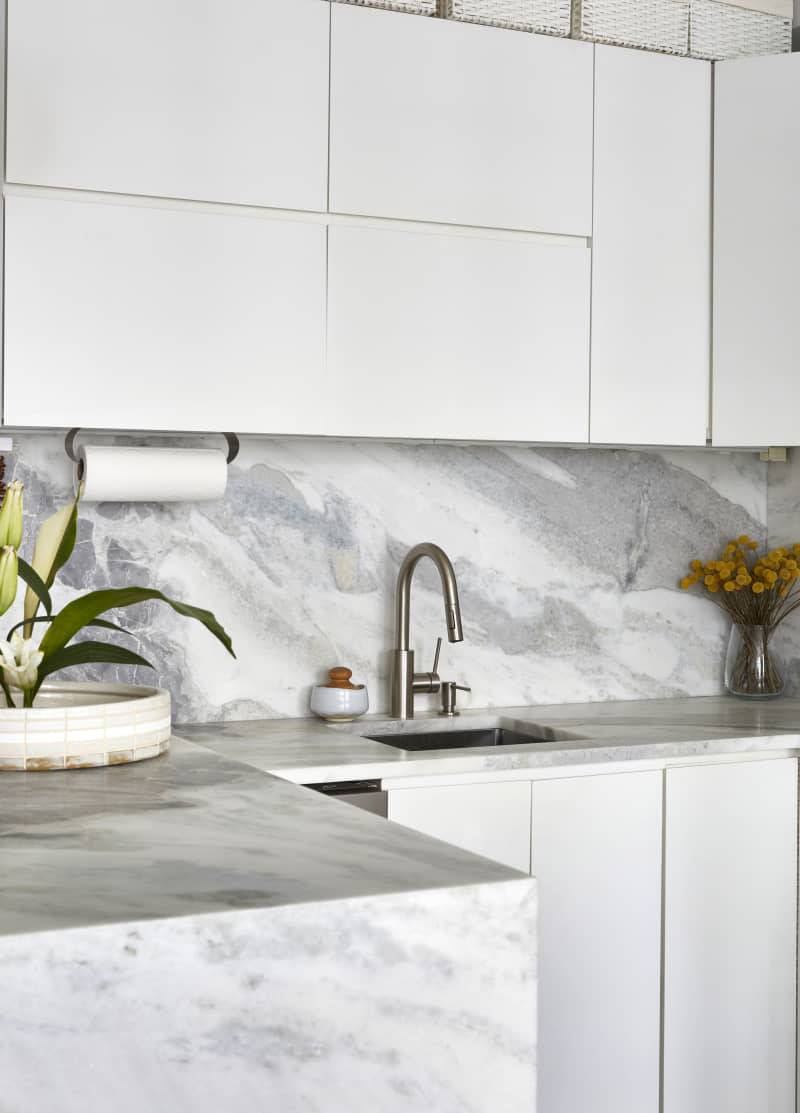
(651, 252)
(133, 317)
(433, 120)
(730, 938)
(756, 251)
(225, 100)
(489, 819)
(457, 337)
(596, 854)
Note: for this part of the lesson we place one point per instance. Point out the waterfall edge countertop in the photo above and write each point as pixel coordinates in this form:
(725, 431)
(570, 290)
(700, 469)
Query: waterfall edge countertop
(194, 832)
(197, 931)
(217, 825)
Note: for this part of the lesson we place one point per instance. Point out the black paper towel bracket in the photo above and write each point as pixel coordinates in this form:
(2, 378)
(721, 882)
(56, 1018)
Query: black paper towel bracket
(69, 445)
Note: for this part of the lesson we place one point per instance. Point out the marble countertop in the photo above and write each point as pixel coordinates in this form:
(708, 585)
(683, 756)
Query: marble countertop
(217, 825)
(308, 751)
(194, 832)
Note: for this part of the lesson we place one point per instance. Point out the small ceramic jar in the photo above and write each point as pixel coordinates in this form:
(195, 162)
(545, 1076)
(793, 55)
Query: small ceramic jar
(339, 701)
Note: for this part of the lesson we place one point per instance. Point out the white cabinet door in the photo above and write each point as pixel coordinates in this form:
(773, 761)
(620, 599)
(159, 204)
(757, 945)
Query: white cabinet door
(146, 318)
(596, 854)
(223, 101)
(730, 938)
(651, 252)
(489, 819)
(442, 121)
(756, 251)
(454, 336)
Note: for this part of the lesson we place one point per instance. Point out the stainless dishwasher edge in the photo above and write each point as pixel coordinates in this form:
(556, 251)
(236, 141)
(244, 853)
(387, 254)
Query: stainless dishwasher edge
(367, 795)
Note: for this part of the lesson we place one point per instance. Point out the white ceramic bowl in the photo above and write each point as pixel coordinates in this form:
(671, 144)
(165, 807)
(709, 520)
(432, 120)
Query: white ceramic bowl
(339, 705)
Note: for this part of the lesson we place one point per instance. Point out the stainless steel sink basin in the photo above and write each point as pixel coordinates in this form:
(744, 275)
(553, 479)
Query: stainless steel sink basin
(461, 739)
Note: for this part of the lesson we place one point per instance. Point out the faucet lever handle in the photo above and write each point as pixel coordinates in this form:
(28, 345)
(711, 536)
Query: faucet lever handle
(438, 650)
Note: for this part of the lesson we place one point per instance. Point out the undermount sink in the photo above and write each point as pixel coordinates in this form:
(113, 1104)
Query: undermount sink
(462, 739)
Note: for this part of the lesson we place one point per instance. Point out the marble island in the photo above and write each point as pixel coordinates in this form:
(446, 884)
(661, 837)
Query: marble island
(190, 934)
(198, 932)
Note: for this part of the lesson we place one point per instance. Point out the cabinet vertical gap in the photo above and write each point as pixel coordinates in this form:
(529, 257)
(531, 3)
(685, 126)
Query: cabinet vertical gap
(662, 978)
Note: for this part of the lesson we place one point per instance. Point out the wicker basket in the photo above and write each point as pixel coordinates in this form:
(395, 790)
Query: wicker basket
(550, 16)
(415, 7)
(719, 30)
(651, 24)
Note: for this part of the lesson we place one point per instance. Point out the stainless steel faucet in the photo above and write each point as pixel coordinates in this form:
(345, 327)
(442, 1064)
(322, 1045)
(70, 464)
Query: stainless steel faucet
(406, 683)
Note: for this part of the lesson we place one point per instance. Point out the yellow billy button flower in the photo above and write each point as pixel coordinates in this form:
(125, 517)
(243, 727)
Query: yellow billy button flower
(11, 516)
(758, 587)
(686, 583)
(8, 577)
(729, 585)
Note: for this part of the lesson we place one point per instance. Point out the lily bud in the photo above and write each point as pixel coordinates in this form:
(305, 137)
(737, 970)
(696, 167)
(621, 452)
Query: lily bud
(8, 577)
(11, 516)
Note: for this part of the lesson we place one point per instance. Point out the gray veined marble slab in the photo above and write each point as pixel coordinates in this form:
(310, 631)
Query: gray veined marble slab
(398, 1004)
(190, 934)
(568, 564)
(194, 832)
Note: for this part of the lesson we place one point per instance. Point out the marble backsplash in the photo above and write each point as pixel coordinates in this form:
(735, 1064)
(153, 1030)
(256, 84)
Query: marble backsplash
(567, 560)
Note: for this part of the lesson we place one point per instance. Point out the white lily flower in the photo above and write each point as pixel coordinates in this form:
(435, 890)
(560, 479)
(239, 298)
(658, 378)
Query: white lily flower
(20, 661)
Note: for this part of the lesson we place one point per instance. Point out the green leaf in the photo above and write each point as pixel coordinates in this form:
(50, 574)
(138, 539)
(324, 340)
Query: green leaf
(110, 626)
(80, 612)
(88, 653)
(55, 542)
(51, 618)
(35, 583)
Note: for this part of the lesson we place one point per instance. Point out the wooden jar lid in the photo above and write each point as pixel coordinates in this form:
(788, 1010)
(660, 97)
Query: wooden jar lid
(340, 678)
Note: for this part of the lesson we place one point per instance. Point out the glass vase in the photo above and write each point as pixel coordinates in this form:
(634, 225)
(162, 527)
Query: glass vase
(750, 668)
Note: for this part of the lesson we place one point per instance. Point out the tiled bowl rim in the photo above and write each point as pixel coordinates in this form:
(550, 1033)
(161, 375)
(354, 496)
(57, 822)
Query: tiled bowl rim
(117, 695)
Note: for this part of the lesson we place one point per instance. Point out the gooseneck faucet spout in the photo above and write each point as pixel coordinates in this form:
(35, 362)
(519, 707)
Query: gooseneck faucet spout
(405, 681)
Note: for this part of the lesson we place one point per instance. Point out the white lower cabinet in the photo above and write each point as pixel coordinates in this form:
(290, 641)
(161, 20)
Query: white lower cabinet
(489, 819)
(596, 854)
(730, 938)
(667, 928)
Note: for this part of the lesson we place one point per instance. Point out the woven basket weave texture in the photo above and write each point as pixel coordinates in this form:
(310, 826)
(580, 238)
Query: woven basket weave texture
(416, 7)
(652, 24)
(718, 30)
(550, 16)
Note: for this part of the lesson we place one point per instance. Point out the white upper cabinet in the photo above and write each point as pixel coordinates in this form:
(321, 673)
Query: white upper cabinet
(651, 286)
(434, 120)
(225, 100)
(459, 336)
(132, 317)
(757, 252)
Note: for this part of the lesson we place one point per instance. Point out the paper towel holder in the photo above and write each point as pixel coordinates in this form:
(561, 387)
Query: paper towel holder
(69, 448)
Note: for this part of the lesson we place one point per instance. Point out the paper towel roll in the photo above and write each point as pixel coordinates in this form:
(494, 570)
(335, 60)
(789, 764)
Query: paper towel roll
(122, 474)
